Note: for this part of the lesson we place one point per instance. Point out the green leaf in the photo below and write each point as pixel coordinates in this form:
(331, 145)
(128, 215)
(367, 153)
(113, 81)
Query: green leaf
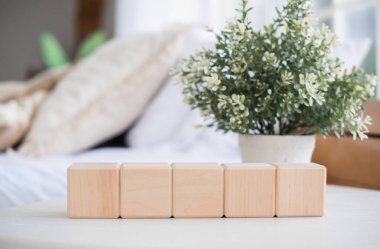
(53, 54)
(91, 43)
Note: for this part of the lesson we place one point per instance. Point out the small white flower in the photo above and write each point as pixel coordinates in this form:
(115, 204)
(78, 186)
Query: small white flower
(286, 78)
(312, 88)
(200, 65)
(213, 81)
(270, 58)
(241, 27)
(371, 79)
(359, 127)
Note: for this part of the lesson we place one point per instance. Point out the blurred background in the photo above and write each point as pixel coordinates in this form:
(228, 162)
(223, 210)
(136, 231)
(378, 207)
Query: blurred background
(120, 103)
(356, 22)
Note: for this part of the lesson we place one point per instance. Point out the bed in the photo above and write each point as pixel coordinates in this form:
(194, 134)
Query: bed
(26, 180)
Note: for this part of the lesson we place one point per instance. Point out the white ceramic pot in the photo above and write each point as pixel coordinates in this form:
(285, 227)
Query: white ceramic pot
(263, 148)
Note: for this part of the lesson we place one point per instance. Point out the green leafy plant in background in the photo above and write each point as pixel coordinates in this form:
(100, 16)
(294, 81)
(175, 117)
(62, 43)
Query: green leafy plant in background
(280, 80)
(91, 43)
(54, 55)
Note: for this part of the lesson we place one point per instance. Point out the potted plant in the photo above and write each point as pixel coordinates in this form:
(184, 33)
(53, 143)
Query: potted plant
(276, 87)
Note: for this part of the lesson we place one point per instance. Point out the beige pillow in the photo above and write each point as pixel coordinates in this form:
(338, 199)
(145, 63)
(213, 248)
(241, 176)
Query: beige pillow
(103, 95)
(43, 81)
(47, 80)
(11, 89)
(16, 116)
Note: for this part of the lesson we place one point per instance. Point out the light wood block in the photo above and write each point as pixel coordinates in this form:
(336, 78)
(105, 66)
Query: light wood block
(146, 190)
(197, 190)
(300, 189)
(249, 190)
(93, 190)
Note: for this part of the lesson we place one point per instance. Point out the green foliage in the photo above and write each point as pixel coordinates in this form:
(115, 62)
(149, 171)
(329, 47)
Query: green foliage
(54, 55)
(52, 52)
(91, 43)
(279, 80)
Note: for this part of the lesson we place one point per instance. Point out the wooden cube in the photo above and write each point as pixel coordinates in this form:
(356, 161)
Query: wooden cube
(93, 190)
(249, 190)
(197, 190)
(300, 189)
(146, 190)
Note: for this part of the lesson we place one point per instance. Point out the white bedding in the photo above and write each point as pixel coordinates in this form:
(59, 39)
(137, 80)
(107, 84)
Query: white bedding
(26, 180)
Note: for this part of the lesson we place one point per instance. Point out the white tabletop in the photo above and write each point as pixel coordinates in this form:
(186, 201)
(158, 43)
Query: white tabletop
(352, 220)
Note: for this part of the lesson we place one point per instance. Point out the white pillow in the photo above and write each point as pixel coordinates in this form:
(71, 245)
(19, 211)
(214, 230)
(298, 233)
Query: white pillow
(165, 115)
(103, 94)
(161, 119)
(168, 122)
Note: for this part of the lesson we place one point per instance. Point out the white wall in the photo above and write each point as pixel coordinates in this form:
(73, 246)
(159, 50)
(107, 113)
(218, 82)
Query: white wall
(141, 16)
(21, 23)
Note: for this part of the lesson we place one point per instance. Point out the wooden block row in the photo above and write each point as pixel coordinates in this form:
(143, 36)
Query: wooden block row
(195, 190)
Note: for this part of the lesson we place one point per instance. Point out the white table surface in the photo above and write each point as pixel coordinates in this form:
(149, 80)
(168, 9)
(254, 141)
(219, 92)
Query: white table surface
(352, 220)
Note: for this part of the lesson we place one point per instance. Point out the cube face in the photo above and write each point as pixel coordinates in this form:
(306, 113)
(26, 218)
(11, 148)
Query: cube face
(198, 190)
(93, 190)
(300, 189)
(249, 190)
(146, 190)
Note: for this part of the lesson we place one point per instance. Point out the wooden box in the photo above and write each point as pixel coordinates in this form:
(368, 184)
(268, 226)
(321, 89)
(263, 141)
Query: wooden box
(350, 162)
